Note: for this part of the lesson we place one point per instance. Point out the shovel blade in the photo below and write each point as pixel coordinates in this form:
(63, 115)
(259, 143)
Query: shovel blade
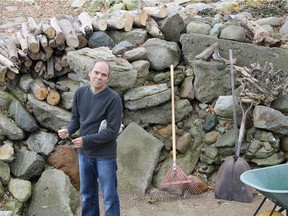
(228, 184)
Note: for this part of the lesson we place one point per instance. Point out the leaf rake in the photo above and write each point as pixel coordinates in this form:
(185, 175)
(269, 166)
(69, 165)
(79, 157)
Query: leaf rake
(176, 181)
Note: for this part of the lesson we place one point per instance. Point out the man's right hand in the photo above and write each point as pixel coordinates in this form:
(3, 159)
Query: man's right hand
(63, 133)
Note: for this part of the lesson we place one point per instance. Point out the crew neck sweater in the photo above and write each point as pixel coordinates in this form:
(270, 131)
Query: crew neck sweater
(88, 111)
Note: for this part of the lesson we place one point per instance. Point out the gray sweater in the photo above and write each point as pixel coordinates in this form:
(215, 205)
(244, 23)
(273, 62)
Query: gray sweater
(88, 111)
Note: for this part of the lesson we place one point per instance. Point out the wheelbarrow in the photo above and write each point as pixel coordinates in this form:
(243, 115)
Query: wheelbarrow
(272, 182)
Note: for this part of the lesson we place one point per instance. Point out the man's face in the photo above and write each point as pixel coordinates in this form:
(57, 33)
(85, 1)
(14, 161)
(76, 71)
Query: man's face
(99, 76)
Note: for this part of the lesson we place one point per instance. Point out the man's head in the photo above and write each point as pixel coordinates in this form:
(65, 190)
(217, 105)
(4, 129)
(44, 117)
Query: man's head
(99, 75)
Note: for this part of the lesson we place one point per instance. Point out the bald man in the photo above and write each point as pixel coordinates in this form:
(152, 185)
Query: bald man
(96, 148)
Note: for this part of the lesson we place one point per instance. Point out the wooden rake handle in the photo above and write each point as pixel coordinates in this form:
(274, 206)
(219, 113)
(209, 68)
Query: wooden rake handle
(173, 117)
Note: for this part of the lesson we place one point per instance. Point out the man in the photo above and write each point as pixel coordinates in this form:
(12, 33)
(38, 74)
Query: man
(96, 149)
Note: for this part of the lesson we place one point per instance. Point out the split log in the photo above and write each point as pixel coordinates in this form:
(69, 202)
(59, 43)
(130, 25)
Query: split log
(34, 56)
(39, 90)
(52, 43)
(99, 24)
(153, 28)
(69, 33)
(119, 19)
(43, 40)
(38, 66)
(258, 34)
(48, 52)
(32, 25)
(4, 52)
(50, 69)
(12, 51)
(207, 53)
(2, 42)
(24, 30)
(59, 36)
(62, 46)
(32, 41)
(3, 71)
(64, 61)
(43, 71)
(9, 64)
(122, 14)
(139, 18)
(10, 75)
(83, 41)
(26, 61)
(115, 23)
(86, 23)
(15, 41)
(57, 87)
(57, 65)
(156, 12)
(48, 30)
(42, 55)
(22, 41)
(53, 98)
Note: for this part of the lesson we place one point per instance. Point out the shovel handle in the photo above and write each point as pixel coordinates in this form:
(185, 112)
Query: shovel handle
(233, 98)
(247, 100)
(243, 123)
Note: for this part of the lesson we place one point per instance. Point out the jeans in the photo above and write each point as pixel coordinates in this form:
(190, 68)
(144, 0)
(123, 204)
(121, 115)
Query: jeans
(92, 169)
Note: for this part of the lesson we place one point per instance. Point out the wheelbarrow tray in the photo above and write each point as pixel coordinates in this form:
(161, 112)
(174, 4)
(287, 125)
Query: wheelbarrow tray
(271, 181)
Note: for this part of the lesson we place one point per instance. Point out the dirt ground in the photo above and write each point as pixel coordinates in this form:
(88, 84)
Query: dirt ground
(12, 14)
(202, 206)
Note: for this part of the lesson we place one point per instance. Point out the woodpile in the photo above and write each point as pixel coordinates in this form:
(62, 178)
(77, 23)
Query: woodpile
(41, 49)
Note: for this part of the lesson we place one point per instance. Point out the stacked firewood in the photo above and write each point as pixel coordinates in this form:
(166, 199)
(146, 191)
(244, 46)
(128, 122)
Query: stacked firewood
(41, 49)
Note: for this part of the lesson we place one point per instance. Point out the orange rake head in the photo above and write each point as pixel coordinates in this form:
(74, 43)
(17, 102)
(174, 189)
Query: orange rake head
(178, 183)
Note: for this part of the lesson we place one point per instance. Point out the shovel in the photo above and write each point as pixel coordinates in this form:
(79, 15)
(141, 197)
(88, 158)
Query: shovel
(228, 184)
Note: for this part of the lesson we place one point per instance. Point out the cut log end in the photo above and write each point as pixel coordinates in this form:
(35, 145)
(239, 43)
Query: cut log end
(53, 98)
